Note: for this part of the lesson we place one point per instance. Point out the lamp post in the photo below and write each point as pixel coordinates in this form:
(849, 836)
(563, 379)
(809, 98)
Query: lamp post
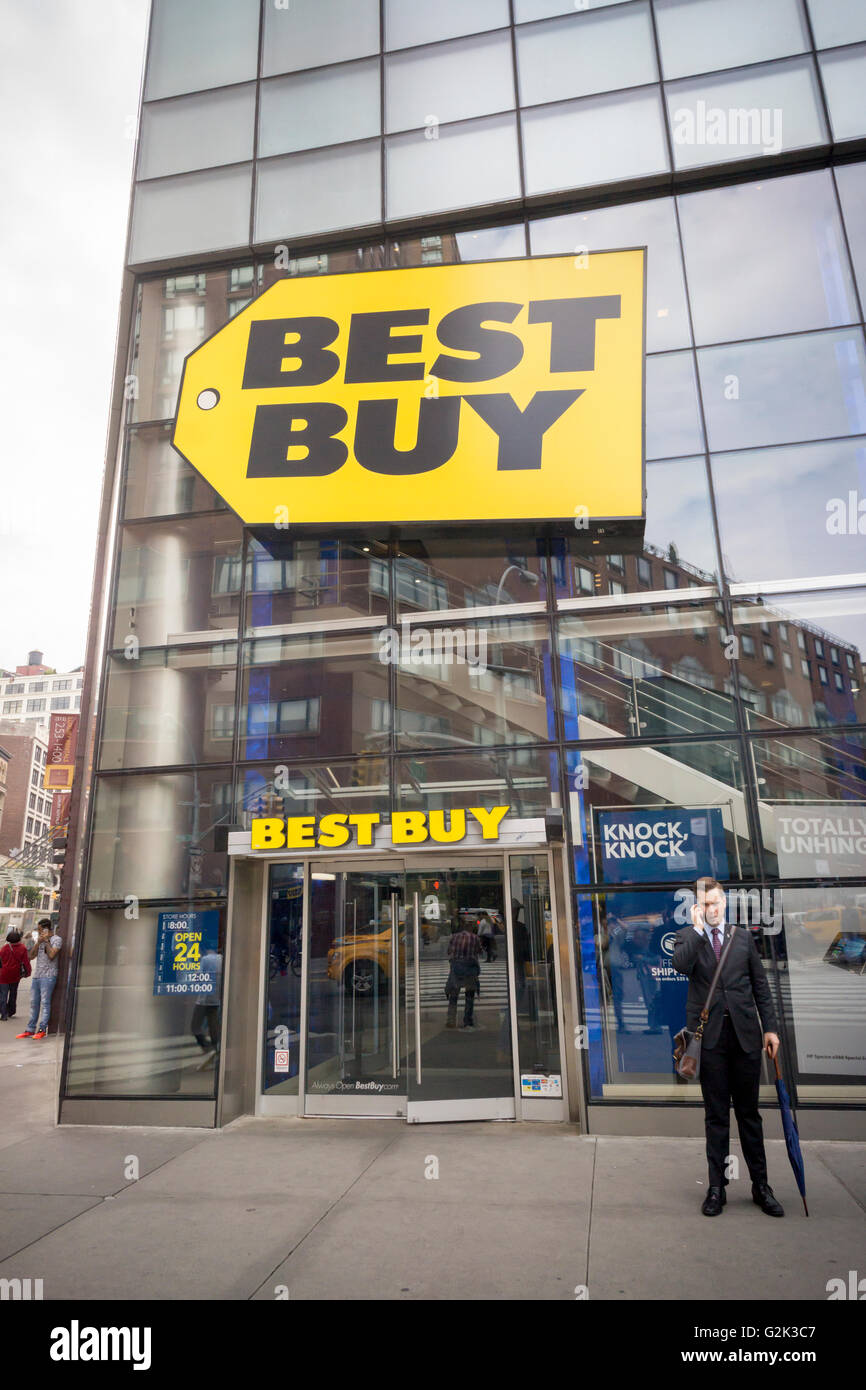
(526, 575)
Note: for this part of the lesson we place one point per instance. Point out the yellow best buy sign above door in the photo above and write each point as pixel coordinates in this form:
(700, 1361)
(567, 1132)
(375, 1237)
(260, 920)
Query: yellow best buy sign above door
(493, 390)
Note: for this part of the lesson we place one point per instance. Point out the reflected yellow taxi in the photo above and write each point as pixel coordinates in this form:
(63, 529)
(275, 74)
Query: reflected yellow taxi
(362, 963)
(825, 923)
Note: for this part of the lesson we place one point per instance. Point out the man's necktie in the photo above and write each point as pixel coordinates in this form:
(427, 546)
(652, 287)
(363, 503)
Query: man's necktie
(717, 942)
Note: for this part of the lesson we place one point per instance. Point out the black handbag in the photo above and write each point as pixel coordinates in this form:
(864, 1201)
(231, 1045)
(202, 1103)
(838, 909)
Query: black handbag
(687, 1045)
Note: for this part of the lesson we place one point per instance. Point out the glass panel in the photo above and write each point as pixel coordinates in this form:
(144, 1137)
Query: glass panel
(175, 314)
(824, 942)
(129, 1040)
(699, 35)
(314, 581)
(805, 489)
(743, 115)
(525, 10)
(766, 257)
(679, 549)
(177, 577)
(175, 705)
(813, 805)
(201, 43)
(307, 34)
(319, 108)
(472, 684)
(281, 1054)
(595, 141)
(318, 696)
(533, 946)
(635, 1001)
(309, 193)
(809, 387)
(191, 213)
(851, 182)
(442, 574)
(449, 82)
(837, 21)
(406, 25)
(462, 965)
(659, 815)
(153, 836)
(522, 778)
(843, 75)
(583, 54)
(197, 132)
(473, 162)
(371, 257)
(486, 244)
(645, 674)
(817, 689)
(652, 224)
(313, 790)
(673, 422)
(355, 965)
(159, 482)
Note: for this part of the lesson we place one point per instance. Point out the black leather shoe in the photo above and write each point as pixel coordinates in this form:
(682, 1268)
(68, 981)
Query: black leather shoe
(714, 1201)
(762, 1196)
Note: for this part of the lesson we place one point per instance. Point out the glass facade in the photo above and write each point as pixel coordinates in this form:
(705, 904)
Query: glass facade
(709, 675)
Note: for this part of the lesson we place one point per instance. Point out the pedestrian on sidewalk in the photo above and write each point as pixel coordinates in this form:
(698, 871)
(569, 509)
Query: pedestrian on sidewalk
(14, 963)
(44, 953)
(730, 1069)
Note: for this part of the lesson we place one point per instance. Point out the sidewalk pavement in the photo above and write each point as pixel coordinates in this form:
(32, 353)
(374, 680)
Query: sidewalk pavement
(340, 1209)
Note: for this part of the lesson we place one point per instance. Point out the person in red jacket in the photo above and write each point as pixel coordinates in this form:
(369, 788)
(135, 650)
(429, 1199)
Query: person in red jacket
(12, 956)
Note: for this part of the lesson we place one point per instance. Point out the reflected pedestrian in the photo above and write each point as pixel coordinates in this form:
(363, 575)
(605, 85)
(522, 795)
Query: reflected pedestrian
(464, 948)
(487, 935)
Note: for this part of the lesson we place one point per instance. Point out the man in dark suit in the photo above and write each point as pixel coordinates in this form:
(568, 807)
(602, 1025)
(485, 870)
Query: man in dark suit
(732, 1040)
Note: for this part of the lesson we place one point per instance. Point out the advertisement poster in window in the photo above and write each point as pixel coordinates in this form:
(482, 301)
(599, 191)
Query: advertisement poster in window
(647, 996)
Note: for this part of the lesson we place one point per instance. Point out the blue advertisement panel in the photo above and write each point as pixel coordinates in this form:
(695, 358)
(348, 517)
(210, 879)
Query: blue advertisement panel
(671, 842)
(187, 958)
(646, 996)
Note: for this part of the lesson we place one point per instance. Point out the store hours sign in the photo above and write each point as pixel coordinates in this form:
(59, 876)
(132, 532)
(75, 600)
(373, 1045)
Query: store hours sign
(186, 953)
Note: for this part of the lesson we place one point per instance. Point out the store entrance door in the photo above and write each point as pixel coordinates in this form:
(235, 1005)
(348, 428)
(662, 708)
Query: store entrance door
(459, 1063)
(409, 995)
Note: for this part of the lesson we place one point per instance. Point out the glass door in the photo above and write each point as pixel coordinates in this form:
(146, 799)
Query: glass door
(354, 973)
(458, 996)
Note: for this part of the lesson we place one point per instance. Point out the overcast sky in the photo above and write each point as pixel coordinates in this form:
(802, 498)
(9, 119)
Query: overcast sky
(69, 81)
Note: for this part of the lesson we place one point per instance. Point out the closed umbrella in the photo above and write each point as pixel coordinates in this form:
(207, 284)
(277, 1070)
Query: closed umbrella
(792, 1134)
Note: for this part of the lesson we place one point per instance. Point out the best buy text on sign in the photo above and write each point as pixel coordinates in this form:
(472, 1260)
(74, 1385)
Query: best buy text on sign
(407, 828)
(494, 390)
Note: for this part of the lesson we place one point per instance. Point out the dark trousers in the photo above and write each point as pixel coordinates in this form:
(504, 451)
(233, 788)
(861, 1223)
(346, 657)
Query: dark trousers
(206, 1014)
(731, 1076)
(8, 1000)
(468, 1005)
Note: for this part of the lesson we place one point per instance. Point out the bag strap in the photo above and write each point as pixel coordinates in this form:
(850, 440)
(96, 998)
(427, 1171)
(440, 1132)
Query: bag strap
(705, 1011)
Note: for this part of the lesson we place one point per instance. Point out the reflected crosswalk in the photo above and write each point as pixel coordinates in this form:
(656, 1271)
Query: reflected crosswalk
(493, 984)
(805, 999)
